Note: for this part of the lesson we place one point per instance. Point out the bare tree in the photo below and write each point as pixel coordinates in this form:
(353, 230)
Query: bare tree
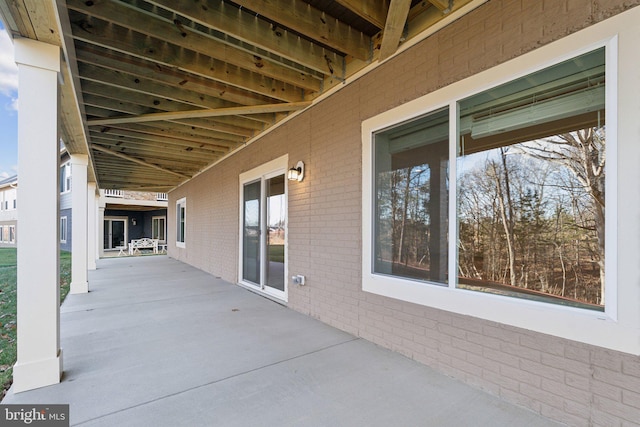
(501, 177)
(582, 152)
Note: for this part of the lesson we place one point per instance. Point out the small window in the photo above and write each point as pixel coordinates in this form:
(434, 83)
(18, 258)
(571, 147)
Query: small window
(65, 178)
(1, 233)
(12, 234)
(63, 229)
(181, 220)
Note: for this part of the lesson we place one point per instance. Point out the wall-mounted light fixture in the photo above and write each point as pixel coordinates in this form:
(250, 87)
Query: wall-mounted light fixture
(296, 173)
(133, 221)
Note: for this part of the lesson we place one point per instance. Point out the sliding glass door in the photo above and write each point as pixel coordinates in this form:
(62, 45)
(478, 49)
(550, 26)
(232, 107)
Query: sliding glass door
(251, 239)
(263, 233)
(115, 232)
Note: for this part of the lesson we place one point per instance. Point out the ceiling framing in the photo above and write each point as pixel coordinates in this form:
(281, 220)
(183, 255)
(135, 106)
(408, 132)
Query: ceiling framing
(157, 90)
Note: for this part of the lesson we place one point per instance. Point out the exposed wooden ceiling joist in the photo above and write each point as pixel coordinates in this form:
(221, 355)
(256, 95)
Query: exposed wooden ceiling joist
(255, 109)
(171, 76)
(443, 5)
(186, 38)
(156, 50)
(313, 23)
(248, 28)
(134, 160)
(374, 11)
(394, 26)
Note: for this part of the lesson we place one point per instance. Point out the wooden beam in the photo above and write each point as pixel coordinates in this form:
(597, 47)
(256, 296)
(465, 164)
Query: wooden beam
(157, 51)
(373, 11)
(134, 160)
(187, 38)
(148, 87)
(179, 130)
(132, 145)
(313, 23)
(254, 30)
(443, 5)
(110, 98)
(421, 18)
(394, 26)
(179, 158)
(150, 139)
(216, 140)
(210, 130)
(171, 76)
(215, 125)
(257, 109)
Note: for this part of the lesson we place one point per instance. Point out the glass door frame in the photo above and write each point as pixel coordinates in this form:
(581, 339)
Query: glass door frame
(164, 228)
(262, 174)
(109, 230)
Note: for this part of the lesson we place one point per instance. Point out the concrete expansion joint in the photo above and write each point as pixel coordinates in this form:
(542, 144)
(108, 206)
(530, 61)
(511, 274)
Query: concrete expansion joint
(239, 374)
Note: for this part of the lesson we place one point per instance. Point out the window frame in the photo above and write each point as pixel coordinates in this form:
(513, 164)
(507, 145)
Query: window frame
(606, 329)
(65, 177)
(181, 237)
(262, 173)
(64, 224)
(164, 230)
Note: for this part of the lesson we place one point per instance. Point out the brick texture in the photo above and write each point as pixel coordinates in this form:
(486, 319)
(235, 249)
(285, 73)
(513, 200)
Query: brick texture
(570, 382)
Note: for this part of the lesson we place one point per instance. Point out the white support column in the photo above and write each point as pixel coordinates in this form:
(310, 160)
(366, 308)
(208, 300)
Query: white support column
(100, 237)
(79, 208)
(92, 216)
(39, 355)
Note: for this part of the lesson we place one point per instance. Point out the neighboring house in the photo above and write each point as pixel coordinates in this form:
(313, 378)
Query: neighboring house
(124, 215)
(66, 216)
(128, 215)
(9, 212)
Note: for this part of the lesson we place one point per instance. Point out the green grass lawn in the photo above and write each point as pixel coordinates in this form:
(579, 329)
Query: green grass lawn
(8, 309)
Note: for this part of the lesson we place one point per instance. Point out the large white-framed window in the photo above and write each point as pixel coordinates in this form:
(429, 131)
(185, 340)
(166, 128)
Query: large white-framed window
(63, 229)
(503, 127)
(181, 222)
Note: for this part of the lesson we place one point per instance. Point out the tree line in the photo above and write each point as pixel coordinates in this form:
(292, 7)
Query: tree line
(530, 217)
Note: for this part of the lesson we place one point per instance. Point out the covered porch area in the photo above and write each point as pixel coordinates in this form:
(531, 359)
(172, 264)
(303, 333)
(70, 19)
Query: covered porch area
(158, 342)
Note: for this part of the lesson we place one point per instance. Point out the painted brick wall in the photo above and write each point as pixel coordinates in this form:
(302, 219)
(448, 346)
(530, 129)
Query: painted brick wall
(571, 382)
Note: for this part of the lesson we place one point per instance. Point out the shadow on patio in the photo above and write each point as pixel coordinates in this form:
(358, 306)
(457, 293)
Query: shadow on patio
(157, 342)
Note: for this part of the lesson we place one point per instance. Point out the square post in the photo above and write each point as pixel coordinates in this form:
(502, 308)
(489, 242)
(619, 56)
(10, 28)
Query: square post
(92, 217)
(100, 237)
(38, 308)
(79, 211)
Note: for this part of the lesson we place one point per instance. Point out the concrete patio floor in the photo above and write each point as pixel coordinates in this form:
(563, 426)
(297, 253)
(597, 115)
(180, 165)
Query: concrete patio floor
(159, 343)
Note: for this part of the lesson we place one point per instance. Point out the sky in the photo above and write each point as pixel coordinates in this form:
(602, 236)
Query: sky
(8, 107)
